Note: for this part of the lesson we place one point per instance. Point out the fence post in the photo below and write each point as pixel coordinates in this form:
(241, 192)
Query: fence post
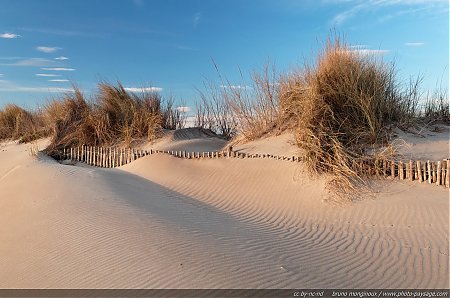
(430, 176)
(433, 171)
(447, 174)
(100, 157)
(438, 172)
(400, 170)
(113, 157)
(419, 170)
(411, 170)
(93, 155)
(393, 169)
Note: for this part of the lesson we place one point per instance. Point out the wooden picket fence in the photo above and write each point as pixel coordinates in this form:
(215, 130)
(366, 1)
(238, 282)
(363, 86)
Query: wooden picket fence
(433, 172)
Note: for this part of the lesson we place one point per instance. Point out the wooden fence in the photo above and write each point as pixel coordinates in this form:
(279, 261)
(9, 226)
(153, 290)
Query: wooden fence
(435, 172)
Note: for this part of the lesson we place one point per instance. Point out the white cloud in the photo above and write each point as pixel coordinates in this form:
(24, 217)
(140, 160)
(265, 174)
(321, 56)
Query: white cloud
(61, 58)
(59, 69)
(183, 109)
(414, 44)
(38, 62)
(235, 87)
(358, 46)
(47, 49)
(8, 86)
(58, 80)
(145, 89)
(190, 121)
(9, 35)
(356, 7)
(47, 75)
(368, 52)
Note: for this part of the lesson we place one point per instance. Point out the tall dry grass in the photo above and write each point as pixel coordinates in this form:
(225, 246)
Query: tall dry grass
(436, 107)
(343, 105)
(112, 116)
(244, 111)
(17, 123)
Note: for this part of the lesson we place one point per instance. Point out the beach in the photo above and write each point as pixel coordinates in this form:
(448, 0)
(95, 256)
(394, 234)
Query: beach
(165, 222)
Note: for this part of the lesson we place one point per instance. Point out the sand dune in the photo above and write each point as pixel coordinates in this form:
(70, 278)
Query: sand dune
(189, 139)
(162, 222)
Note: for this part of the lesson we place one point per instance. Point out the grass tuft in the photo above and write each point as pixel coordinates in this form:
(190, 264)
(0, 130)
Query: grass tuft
(343, 105)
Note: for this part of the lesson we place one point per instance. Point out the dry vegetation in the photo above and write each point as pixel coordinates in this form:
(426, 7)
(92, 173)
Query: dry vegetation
(342, 108)
(19, 124)
(240, 110)
(112, 116)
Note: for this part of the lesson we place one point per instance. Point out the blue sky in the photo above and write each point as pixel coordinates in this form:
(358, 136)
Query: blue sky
(47, 44)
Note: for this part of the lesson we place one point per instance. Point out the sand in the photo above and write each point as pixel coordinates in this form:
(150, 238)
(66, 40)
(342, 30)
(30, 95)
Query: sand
(163, 222)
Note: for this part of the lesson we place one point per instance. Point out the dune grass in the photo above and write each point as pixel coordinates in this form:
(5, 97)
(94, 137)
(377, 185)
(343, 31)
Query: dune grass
(113, 116)
(240, 111)
(17, 123)
(342, 108)
(344, 104)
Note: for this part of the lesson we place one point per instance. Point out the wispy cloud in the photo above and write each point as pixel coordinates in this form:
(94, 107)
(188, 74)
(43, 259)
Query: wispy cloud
(356, 7)
(34, 62)
(59, 80)
(9, 35)
(358, 46)
(47, 75)
(145, 89)
(7, 86)
(11, 58)
(196, 19)
(62, 32)
(58, 69)
(414, 44)
(235, 87)
(341, 17)
(47, 49)
(183, 109)
(61, 58)
(368, 52)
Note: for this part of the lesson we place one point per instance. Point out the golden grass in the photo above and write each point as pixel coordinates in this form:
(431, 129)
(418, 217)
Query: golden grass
(343, 106)
(113, 116)
(17, 123)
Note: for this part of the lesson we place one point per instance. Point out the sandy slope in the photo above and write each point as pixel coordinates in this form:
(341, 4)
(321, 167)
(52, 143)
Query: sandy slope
(163, 222)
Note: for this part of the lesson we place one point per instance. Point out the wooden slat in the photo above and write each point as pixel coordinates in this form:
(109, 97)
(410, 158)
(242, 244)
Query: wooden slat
(438, 173)
(429, 175)
(411, 170)
(433, 172)
(419, 170)
(447, 174)
(400, 170)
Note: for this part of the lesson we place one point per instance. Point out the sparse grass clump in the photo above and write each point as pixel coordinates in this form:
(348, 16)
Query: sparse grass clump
(244, 111)
(17, 123)
(437, 107)
(343, 105)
